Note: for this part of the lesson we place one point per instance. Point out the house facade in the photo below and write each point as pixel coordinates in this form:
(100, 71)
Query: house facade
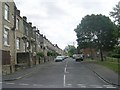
(7, 37)
(20, 41)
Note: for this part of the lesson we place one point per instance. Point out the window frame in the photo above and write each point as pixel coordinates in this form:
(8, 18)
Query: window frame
(6, 35)
(6, 12)
(18, 43)
(17, 23)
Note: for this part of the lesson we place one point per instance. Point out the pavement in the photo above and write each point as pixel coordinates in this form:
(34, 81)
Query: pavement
(21, 73)
(104, 73)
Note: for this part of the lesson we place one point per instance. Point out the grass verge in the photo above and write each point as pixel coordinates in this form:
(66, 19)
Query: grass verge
(115, 66)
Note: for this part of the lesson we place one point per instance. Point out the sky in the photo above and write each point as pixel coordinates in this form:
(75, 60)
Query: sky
(57, 19)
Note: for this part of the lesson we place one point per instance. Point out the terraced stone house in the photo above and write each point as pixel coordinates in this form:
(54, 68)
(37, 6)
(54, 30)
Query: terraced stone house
(20, 41)
(7, 36)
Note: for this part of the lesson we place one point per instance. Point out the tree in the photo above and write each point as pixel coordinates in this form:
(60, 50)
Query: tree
(116, 13)
(70, 49)
(96, 30)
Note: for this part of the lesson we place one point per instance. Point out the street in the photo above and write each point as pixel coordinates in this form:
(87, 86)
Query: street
(66, 74)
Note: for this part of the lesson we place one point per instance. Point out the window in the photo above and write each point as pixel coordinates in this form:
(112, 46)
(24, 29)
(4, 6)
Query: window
(27, 45)
(24, 47)
(17, 24)
(26, 30)
(6, 36)
(18, 43)
(6, 12)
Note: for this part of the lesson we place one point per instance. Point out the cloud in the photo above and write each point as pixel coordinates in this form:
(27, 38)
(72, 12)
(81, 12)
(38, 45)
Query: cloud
(57, 19)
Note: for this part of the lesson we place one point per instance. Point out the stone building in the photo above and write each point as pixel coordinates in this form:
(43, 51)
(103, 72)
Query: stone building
(20, 41)
(7, 36)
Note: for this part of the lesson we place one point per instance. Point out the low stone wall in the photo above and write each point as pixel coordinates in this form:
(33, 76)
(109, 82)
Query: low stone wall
(6, 69)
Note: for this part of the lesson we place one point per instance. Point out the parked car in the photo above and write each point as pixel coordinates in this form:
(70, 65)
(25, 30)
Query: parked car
(59, 59)
(79, 57)
(64, 57)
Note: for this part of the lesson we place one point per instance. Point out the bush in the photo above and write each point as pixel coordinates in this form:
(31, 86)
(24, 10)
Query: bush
(40, 54)
(116, 55)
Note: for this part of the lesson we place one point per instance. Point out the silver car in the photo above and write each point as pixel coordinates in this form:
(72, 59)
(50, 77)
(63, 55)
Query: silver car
(59, 59)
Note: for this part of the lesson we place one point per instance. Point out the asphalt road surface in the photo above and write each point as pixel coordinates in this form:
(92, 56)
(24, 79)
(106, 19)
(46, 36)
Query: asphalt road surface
(66, 74)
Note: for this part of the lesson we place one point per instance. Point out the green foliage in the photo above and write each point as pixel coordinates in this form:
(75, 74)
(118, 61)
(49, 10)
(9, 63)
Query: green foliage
(116, 13)
(70, 50)
(98, 26)
(51, 53)
(40, 54)
(115, 53)
(110, 65)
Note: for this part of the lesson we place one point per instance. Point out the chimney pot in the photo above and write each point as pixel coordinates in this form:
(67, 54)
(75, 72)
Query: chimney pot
(18, 12)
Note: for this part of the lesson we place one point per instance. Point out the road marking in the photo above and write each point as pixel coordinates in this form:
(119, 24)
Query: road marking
(107, 85)
(96, 86)
(37, 85)
(65, 70)
(10, 83)
(69, 85)
(80, 84)
(23, 84)
(0, 82)
(64, 80)
(111, 87)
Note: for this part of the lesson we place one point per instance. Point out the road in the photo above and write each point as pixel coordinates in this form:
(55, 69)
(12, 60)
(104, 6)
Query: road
(66, 74)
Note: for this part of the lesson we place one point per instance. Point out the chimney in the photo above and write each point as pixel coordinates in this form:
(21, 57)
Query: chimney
(30, 23)
(34, 27)
(18, 12)
(25, 18)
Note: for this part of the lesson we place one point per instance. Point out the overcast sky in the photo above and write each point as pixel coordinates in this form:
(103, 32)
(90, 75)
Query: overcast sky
(57, 19)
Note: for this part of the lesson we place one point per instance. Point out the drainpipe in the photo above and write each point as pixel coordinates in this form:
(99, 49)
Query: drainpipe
(12, 67)
(30, 46)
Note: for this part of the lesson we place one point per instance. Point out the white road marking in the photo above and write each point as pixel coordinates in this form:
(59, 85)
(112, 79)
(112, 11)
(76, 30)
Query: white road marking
(64, 80)
(111, 87)
(10, 83)
(37, 85)
(69, 84)
(65, 70)
(0, 82)
(96, 86)
(80, 84)
(23, 84)
(107, 85)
